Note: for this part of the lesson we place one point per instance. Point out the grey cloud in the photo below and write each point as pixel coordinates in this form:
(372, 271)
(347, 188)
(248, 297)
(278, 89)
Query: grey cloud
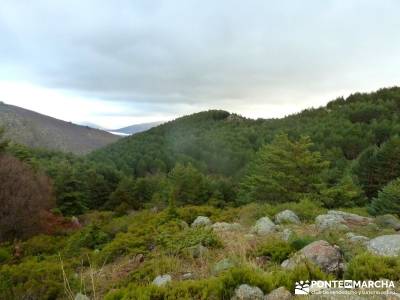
(165, 55)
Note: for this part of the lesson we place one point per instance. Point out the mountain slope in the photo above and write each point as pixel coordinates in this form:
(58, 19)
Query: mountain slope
(39, 131)
(218, 142)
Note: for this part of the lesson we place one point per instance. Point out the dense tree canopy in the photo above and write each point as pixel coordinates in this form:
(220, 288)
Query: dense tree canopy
(210, 156)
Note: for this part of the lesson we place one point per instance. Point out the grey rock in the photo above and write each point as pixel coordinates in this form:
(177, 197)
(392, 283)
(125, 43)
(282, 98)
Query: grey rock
(162, 280)
(351, 219)
(80, 296)
(223, 226)
(388, 221)
(201, 221)
(279, 294)
(287, 234)
(357, 238)
(340, 220)
(385, 245)
(263, 226)
(330, 222)
(321, 253)
(183, 224)
(247, 292)
(287, 216)
(223, 265)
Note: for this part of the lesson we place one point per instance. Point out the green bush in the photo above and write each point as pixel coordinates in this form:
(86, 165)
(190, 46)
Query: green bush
(221, 287)
(367, 266)
(5, 255)
(298, 243)
(43, 245)
(175, 242)
(91, 237)
(190, 213)
(274, 248)
(162, 264)
(33, 279)
(123, 244)
(117, 225)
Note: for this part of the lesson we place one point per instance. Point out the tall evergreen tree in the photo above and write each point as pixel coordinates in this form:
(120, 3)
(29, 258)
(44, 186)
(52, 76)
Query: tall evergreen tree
(375, 167)
(388, 200)
(284, 171)
(126, 193)
(189, 186)
(71, 192)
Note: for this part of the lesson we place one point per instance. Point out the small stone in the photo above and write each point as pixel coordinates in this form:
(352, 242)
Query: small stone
(287, 234)
(264, 226)
(223, 265)
(330, 222)
(356, 238)
(247, 292)
(287, 216)
(201, 221)
(279, 294)
(80, 296)
(162, 280)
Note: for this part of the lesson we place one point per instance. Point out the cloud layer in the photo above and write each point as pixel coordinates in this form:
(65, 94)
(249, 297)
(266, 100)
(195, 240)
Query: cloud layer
(259, 58)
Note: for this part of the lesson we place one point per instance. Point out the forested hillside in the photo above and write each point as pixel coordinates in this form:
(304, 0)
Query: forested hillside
(124, 210)
(355, 141)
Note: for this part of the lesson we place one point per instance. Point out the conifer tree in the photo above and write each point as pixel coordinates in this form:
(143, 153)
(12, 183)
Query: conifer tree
(388, 199)
(284, 171)
(189, 186)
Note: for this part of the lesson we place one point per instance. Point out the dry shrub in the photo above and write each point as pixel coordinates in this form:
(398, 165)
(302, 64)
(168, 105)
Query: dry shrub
(24, 196)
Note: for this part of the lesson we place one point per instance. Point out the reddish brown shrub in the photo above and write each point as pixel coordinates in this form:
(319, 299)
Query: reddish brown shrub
(24, 196)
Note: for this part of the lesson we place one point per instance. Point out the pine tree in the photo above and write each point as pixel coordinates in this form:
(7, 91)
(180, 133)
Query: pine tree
(189, 186)
(345, 193)
(375, 167)
(71, 192)
(284, 171)
(125, 193)
(388, 200)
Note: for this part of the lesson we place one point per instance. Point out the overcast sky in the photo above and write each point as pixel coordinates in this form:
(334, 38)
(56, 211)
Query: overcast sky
(118, 62)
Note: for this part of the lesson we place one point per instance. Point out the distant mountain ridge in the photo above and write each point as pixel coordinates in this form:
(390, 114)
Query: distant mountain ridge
(136, 128)
(40, 131)
(124, 131)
